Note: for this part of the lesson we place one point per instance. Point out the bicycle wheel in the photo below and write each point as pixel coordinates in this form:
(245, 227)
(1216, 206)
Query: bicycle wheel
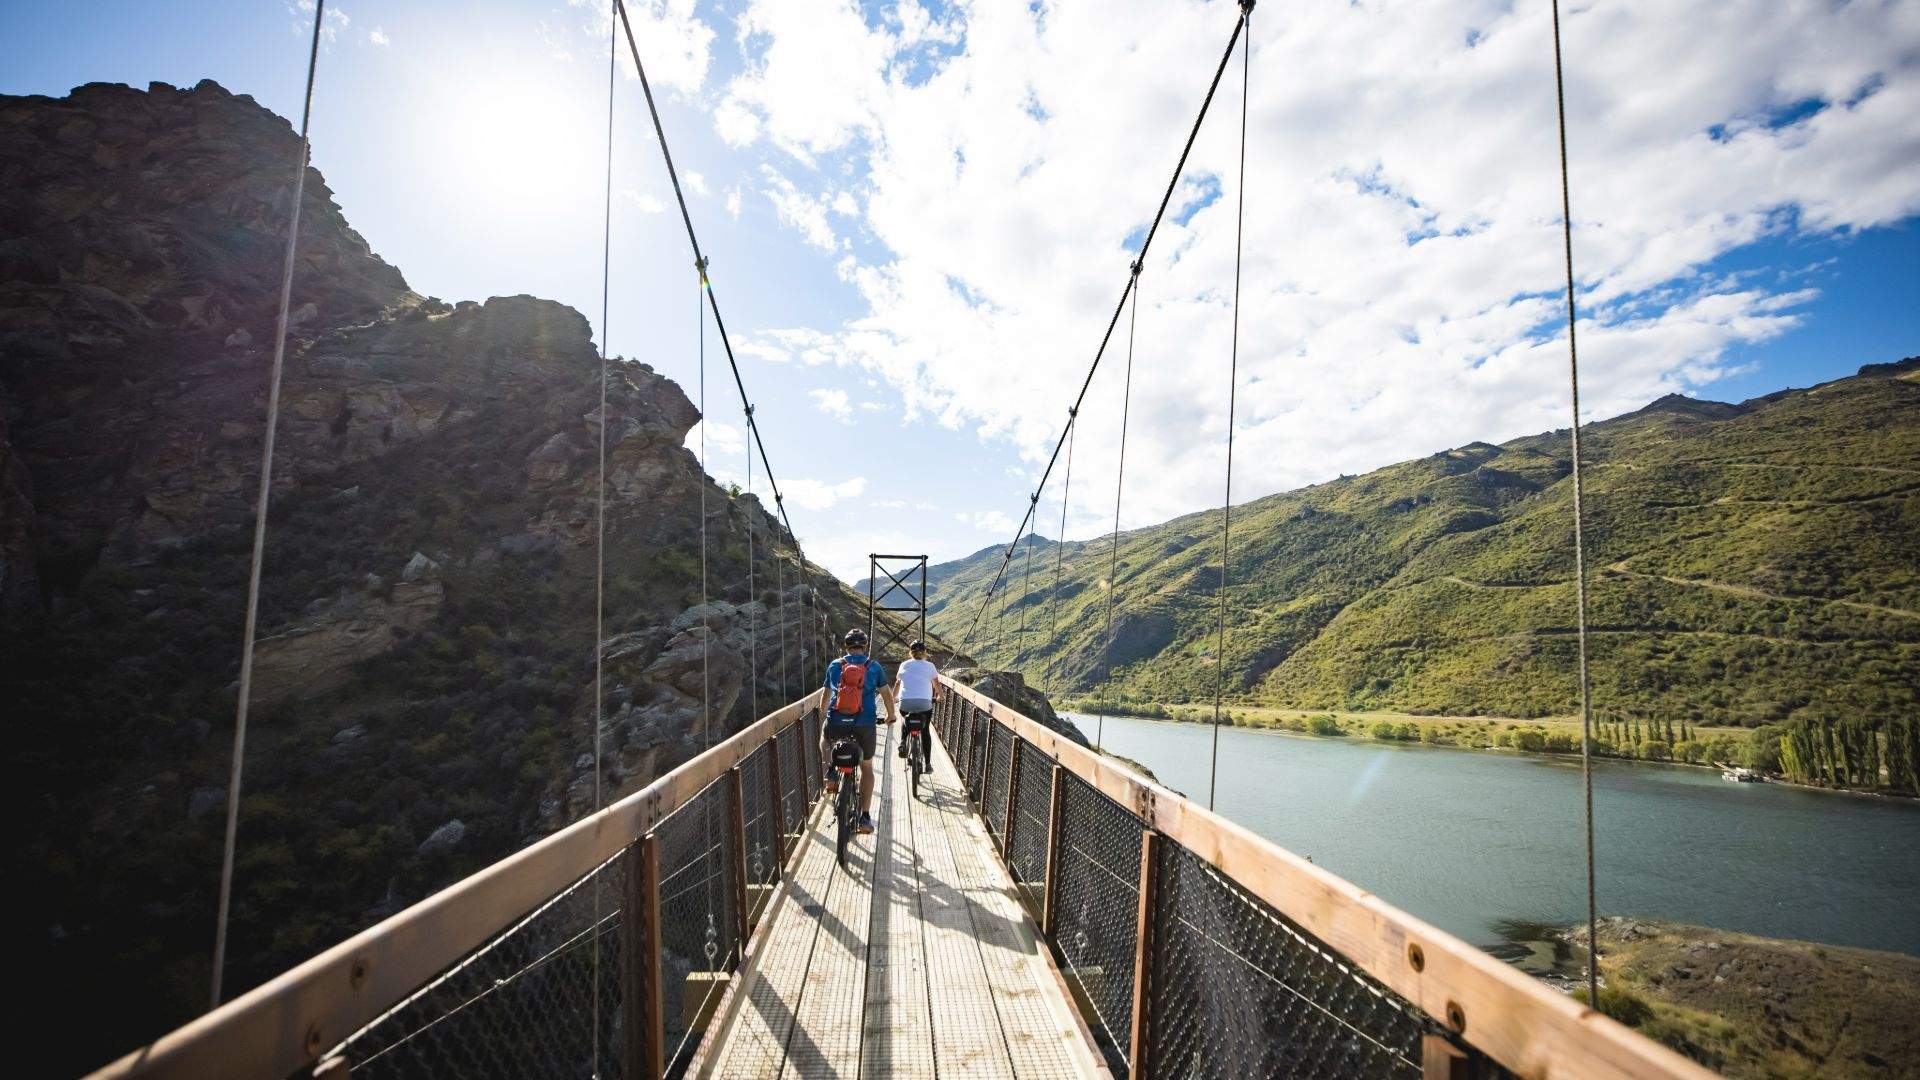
(843, 810)
(917, 756)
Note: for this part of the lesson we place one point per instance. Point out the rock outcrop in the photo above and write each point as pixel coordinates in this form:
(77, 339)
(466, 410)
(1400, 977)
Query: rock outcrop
(423, 694)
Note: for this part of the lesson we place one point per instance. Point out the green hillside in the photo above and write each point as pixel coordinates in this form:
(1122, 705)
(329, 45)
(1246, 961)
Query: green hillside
(1748, 564)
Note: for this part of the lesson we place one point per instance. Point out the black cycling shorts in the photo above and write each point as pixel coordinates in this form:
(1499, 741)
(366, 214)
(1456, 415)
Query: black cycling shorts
(863, 734)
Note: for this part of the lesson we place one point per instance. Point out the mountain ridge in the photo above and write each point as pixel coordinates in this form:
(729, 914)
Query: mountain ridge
(1436, 584)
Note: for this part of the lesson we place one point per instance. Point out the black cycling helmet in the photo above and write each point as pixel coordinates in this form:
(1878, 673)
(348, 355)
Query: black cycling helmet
(854, 637)
(916, 645)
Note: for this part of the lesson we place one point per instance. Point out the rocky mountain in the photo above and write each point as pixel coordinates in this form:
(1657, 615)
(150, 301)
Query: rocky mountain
(424, 695)
(1748, 564)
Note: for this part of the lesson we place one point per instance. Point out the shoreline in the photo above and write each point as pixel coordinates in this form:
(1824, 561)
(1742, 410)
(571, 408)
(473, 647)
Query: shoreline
(1546, 755)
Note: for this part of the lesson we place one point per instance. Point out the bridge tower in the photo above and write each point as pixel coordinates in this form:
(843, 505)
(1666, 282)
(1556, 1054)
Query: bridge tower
(905, 595)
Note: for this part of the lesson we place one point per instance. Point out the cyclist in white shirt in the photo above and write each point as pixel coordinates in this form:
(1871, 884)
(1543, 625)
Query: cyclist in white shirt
(915, 684)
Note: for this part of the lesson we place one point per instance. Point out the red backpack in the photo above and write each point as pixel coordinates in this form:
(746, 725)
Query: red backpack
(847, 697)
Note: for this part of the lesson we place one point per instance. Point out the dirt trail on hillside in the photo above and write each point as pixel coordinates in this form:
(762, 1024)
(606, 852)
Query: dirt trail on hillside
(1753, 593)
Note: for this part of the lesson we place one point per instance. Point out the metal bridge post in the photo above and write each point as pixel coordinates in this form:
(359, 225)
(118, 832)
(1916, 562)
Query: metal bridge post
(640, 963)
(1051, 887)
(737, 812)
(1140, 1055)
(1013, 802)
(779, 805)
(1440, 1059)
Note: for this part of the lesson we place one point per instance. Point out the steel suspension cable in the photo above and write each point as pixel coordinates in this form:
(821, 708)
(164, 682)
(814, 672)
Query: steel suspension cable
(1579, 537)
(1060, 542)
(706, 616)
(693, 239)
(260, 522)
(1146, 243)
(1119, 486)
(1026, 585)
(600, 511)
(753, 622)
(1233, 390)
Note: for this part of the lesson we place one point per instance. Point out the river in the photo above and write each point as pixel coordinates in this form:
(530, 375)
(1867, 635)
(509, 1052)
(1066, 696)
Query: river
(1470, 840)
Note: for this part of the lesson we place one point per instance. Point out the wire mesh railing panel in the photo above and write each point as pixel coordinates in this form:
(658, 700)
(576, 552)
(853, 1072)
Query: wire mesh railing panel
(523, 1004)
(943, 713)
(1096, 905)
(960, 746)
(999, 759)
(1033, 810)
(699, 917)
(1238, 990)
(983, 726)
(793, 780)
(814, 773)
(762, 816)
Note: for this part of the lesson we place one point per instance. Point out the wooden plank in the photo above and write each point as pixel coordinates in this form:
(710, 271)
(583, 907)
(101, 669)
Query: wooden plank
(756, 1041)
(1047, 913)
(1526, 1026)
(1140, 1053)
(737, 870)
(827, 1020)
(966, 1026)
(287, 1022)
(897, 1037)
(1042, 1032)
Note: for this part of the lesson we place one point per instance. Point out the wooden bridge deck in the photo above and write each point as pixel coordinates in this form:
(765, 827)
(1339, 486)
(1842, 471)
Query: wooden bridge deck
(916, 961)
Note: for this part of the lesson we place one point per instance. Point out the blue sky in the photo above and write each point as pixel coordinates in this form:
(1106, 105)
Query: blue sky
(920, 217)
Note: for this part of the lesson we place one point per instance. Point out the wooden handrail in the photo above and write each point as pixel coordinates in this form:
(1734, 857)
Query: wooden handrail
(288, 1021)
(1527, 1026)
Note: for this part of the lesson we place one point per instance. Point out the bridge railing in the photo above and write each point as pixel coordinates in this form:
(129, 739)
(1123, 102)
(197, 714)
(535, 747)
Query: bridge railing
(1198, 949)
(600, 950)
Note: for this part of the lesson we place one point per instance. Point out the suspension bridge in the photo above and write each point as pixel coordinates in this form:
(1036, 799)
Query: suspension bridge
(1035, 909)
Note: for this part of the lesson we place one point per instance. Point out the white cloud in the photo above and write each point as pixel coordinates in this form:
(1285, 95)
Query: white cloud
(675, 44)
(378, 36)
(987, 521)
(811, 494)
(733, 203)
(695, 182)
(645, 202)
(1402, 235)
(804, 213)
(724, 440)
(832, 402)
(337, 20)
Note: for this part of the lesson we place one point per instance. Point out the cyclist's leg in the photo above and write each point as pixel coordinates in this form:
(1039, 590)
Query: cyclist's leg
(868, 739)
(831, 733)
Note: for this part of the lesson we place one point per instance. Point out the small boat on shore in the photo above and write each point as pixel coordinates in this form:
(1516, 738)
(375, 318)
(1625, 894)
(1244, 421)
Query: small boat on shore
(1741, 775)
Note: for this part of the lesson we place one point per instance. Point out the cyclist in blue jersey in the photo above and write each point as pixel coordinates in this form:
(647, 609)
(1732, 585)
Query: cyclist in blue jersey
(848, 703)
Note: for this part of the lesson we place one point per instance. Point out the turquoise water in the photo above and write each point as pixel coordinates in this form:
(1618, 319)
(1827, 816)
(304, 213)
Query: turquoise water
(1468, 840)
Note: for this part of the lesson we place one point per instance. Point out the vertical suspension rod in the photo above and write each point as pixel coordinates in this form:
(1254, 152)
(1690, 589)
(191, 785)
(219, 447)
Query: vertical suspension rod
(260, 522)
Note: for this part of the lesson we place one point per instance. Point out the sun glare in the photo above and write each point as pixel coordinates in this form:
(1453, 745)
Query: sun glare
(515, 143)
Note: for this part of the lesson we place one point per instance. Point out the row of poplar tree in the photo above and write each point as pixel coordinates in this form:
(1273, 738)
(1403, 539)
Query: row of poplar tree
(1851, 752)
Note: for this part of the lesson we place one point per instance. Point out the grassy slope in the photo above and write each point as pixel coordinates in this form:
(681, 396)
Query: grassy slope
(1741, 560)
(1757, 1007)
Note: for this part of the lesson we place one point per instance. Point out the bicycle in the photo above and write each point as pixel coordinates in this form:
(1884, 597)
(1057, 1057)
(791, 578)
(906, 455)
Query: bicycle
(918, 749)
(845, 759)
